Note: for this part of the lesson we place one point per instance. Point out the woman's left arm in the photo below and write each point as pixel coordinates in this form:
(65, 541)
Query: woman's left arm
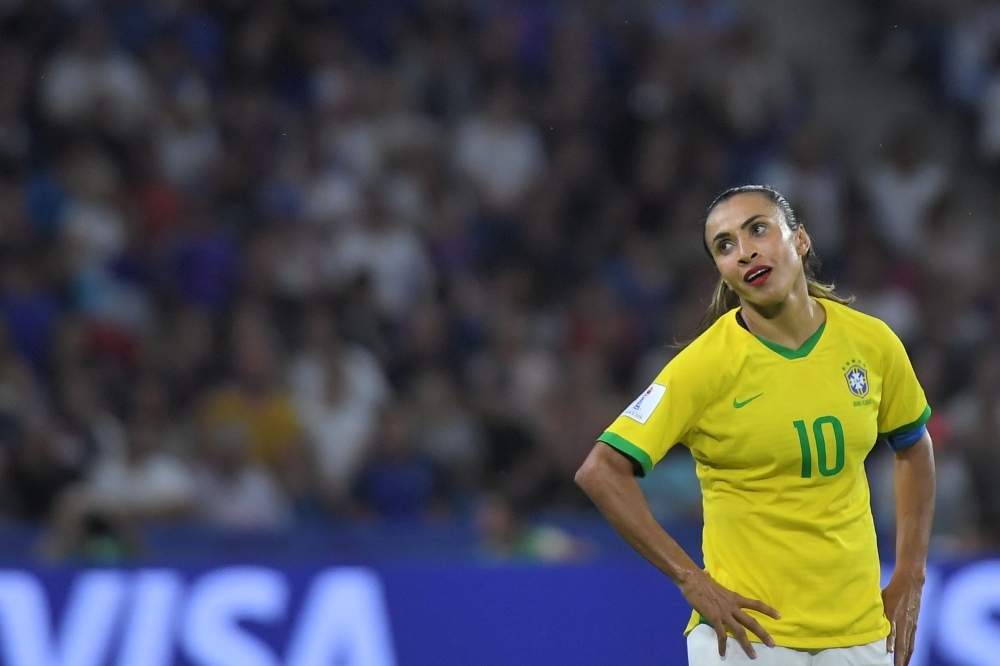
(914, 490)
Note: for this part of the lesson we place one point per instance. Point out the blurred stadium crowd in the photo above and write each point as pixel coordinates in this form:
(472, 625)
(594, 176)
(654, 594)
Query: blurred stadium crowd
(264, 262)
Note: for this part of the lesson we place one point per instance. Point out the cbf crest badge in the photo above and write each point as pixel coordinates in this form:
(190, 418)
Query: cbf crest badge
(856, 375)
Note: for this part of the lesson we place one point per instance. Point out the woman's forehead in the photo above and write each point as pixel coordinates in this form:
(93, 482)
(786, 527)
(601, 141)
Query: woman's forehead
(735, 211)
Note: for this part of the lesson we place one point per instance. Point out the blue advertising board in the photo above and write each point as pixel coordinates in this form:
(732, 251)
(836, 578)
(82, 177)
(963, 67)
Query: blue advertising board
(413, 614)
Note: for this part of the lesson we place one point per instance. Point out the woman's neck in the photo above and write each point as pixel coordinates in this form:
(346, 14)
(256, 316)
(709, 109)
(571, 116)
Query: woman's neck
(788, 323)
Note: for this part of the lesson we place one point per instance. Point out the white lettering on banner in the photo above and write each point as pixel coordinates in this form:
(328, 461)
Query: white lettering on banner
(211, 635)
(91, 614)
(90, 618)
(967, 632)
(344, 621)
(24, 620)
(152, 622)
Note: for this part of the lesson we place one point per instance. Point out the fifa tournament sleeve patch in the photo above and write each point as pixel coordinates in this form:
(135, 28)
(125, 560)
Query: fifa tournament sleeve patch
(643, 407)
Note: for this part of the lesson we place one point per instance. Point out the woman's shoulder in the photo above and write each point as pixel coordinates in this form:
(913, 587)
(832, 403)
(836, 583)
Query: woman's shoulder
(858, 323)
(714, 349)
(864, 332)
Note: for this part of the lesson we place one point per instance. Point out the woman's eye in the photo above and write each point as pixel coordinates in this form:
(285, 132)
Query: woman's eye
(759, 228)
(724, 246)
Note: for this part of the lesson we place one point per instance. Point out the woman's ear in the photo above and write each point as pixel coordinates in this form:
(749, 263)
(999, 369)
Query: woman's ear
(802, 241)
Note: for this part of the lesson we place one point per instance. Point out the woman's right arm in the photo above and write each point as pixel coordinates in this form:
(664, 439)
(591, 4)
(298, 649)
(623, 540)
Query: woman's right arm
(608, 479)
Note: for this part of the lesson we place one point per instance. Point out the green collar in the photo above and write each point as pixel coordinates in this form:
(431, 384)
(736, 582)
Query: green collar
(793, 354)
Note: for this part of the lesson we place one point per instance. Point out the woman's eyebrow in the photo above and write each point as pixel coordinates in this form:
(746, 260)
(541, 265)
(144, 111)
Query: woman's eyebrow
(723, 234)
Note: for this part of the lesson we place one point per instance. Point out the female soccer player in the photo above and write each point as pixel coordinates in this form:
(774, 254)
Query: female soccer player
(780, 400)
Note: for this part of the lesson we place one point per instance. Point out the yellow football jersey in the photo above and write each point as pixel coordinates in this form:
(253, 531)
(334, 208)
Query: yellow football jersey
(780, 437)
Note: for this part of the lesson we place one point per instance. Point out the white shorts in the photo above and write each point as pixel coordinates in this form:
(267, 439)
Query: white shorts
(703, 650)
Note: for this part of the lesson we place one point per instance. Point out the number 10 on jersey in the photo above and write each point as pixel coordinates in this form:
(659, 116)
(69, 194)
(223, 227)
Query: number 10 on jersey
(819, 432)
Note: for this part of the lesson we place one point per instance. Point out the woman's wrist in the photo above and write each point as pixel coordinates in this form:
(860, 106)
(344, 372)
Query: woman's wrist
(685, 575)
(915, 572)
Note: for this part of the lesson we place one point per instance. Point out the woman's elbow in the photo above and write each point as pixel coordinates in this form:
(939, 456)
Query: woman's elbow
(585, 475)
(594, 468)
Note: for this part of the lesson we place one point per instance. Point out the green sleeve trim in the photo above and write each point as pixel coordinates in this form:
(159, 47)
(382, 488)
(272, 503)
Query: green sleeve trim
(924, 418)
(629, 449)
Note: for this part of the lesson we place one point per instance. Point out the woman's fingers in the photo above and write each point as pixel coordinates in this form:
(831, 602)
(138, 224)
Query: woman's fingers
(904, 644)
(728, 614)
(912, 643)
(754, 627)
(741, 637)
(720, 632)
(759, 606)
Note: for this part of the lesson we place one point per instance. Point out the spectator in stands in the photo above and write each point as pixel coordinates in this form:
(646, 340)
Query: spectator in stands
(254, 397)
(974, 415)
(203, 263)
(757, 95)
(83, 425)
(21, 397)
(511, 377)
(321, 342)
(188, 142)
(339, 424)
(390, 253)
(972, 35)
(506, 534)
(568, 420)
(192, 366)
(41, 468)
(233, 491)
(144, 483)
(90, 83)
(953, 250)
(902, 189)
(871, 280)
(657, 179)
(16, 136)
(642, 283)
(988, 113)
(93, 227)
(445, 431)
(30, 311)
(150, 397)
(90, 537)
(398, 482)
(499, 152)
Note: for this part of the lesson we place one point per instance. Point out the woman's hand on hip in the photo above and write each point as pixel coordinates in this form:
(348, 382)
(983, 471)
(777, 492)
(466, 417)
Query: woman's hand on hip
(901, 598)
(723, 609)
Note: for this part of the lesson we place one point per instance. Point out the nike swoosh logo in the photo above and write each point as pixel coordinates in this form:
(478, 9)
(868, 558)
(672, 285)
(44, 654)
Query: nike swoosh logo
(740, 405)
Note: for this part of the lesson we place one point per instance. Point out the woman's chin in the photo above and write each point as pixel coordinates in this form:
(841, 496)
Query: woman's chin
(762, 298)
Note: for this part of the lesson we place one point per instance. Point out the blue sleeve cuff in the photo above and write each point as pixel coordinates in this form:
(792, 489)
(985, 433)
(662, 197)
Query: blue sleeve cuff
(905, 440)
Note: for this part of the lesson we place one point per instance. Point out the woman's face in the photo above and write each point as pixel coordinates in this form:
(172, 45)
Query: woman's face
(756, 253)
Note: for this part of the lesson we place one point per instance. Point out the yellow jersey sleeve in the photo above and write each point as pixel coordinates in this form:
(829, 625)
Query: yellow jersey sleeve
(903, 407)
(664, 413)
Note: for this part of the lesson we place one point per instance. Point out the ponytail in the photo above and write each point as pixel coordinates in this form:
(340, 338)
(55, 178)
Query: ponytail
(725, 299)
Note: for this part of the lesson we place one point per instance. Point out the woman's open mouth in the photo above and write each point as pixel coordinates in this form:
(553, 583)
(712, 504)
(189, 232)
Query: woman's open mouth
(757, 276)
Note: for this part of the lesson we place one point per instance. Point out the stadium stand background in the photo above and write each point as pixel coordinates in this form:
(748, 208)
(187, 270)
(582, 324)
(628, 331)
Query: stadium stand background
(368, 278)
